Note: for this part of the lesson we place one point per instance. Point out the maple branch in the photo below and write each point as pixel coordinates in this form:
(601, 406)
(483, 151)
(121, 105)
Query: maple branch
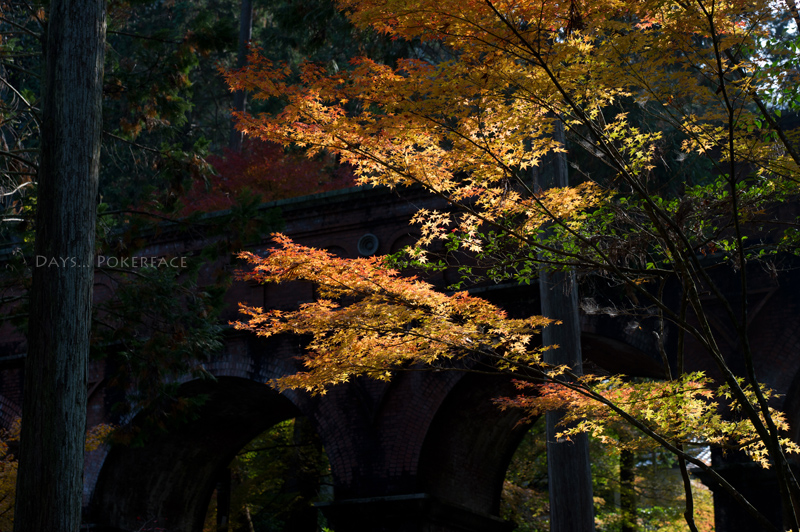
(730, 378)
(146, 37)
(479, 349)
(787, 481)
(792, 5)
(17, 189)
(656, 213)
(768, 116)
(674, 247)
(733, 492)
(688, 513)
(23, 160)
(607, 264)
(21, 28)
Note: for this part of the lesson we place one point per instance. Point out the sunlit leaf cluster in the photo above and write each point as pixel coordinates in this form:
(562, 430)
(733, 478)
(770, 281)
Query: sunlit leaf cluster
(477, 128)
(691, 410)
(368, 320)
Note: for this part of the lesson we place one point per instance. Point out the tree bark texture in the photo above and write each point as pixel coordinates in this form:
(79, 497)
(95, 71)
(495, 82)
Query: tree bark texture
(50, 477)
(568, 470)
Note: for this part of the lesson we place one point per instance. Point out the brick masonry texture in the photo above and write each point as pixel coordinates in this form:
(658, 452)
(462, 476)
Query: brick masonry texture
(428, 433)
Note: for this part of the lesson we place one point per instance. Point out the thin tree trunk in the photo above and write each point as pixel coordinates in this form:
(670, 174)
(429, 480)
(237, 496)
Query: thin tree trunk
(224, 489)
(303, 479)
(568, 469)
(249, 519)
(627, 489)
(240, 97)
(50, 478)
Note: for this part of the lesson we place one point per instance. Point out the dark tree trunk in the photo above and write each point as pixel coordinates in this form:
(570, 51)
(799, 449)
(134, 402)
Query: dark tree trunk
(627, 490)
(303, 478)
(50, 478)
(240, 97)
(568, 469)
(224, 501)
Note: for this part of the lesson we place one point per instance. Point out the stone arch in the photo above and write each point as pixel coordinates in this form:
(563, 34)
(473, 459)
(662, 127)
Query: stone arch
(418, 453)
(471, 441)
(256, 359)
(171, 478)
(373, 430)
(470, 444)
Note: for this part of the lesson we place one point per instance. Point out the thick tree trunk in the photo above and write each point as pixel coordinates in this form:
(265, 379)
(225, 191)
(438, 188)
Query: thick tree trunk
(50, 478)
(568, 469)
(240, 97)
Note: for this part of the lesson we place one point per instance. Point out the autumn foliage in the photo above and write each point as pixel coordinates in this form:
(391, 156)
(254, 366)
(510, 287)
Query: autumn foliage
(389, 321)
(691, 410)
(679, 154)
(8, 475)
(368, 320)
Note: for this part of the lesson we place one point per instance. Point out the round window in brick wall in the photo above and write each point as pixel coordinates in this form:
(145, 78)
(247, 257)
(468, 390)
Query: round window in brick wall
(368, 244)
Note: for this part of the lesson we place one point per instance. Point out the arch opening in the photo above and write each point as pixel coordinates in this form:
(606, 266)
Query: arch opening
(470, 443)
(168, 480)
(273, 483)
(632, 490)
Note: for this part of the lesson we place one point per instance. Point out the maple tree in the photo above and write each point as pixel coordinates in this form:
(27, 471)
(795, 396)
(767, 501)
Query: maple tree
(394, 321)
(640, 88)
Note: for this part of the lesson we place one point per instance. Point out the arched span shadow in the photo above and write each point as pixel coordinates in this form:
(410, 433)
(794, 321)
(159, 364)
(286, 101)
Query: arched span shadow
(171, 478)
(470, 444)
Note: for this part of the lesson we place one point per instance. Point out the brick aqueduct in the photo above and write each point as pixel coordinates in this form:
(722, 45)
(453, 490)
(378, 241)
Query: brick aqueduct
(426, 452)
